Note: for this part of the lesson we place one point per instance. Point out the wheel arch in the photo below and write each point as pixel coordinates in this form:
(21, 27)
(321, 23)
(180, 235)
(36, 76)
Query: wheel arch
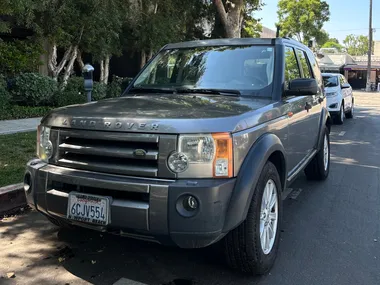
(267, 148)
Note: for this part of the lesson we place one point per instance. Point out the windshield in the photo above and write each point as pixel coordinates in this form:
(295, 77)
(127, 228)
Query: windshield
(330, 81)
(248, 69)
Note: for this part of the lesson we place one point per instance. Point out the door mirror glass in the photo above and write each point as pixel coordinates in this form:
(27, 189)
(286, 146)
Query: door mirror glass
(302, 87)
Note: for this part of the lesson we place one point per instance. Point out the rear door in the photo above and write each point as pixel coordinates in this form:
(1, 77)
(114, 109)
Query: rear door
(314, 106)
(300, 141)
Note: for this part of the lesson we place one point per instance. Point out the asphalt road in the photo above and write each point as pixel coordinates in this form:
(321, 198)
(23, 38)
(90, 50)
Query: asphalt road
(330, 234)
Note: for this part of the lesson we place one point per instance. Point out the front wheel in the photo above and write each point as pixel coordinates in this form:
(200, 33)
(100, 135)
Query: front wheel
(350, 114)
(252, 246)
(340, 118)
(319, 167)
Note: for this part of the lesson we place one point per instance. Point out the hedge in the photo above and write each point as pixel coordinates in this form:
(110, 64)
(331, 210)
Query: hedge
(33, 95)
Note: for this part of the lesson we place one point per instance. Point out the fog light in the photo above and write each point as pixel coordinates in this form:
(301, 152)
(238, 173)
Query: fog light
(190, 203)
(27, 183)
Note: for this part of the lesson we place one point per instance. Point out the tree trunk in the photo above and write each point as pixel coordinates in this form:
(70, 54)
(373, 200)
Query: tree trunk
(105, 69)
(54, 68)
(143, 59)
(70, 66)
(149, 55)
(80, 60)
(231, 19)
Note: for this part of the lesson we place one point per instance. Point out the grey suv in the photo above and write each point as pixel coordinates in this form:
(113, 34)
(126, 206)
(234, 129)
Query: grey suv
(200, 148)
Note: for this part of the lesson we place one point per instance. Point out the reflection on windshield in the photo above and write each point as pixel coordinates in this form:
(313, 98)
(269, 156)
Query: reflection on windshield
(244, 68)
(330, 81)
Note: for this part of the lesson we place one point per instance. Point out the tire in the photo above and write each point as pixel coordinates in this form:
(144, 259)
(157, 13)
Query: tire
(242, 246)
(340, 118)
(350, 114)
(317, 169)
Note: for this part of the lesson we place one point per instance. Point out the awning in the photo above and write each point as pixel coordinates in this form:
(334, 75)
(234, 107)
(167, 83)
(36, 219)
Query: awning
(360, 67)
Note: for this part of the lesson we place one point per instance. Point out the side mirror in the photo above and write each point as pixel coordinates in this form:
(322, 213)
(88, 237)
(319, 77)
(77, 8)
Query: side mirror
(302, 87)
(345, 86)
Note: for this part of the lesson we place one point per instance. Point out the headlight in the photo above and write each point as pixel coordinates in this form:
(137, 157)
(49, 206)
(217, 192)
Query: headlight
(44, 145)
(203, 156)
(331, 94)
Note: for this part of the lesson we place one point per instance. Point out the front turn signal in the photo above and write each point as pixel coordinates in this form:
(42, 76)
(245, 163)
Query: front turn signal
(223, 161)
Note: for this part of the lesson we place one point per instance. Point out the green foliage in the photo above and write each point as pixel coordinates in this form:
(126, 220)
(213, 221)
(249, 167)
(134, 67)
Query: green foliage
(322, 37)
(117, 86)
(19, 56)
(33, 89)
(357, 45)
(99, 92)
(303, 19)
(13, 112)
(72, 93)
(333, 44)
(252, 28)
(4, 96)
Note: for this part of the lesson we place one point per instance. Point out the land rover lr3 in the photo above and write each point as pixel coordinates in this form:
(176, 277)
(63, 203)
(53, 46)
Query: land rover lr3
(200, 148)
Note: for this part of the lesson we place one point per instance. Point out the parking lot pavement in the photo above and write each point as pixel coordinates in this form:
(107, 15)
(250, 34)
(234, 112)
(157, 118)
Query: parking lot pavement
(330, 234)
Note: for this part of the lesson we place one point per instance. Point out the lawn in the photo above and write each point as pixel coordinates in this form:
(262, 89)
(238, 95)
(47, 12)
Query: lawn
(15, 151)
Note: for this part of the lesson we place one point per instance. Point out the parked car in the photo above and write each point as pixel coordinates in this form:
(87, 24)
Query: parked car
(191, 154)
(340, 99)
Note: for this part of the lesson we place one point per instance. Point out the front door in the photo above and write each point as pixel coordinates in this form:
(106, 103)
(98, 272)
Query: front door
(298, 108)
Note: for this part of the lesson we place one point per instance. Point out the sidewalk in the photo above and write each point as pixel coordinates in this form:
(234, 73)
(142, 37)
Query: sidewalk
(18, 126)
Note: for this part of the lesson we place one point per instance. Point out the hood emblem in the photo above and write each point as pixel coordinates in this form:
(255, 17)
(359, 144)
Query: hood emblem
(139, 152)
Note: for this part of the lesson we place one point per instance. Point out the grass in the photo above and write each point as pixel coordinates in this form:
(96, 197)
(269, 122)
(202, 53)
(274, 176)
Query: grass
(15, 151)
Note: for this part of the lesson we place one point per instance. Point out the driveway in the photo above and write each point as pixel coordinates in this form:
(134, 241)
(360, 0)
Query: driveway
(330, 234)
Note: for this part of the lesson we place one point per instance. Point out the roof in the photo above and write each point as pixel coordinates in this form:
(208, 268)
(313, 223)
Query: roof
(233, 42)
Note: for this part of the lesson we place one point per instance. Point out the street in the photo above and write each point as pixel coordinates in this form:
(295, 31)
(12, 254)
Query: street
(330, 232)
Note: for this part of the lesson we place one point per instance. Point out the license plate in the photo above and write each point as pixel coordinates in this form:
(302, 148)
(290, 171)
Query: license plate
(88, 208)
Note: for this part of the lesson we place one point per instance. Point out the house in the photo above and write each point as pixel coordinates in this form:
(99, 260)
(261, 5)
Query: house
(356, 73)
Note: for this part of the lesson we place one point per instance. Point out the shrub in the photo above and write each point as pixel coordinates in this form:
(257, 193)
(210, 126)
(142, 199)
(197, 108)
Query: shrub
(22, 112)
(4, 96)
(117, 86)
(99, 92)
(19, 56)
(33, 89)
(72, 93)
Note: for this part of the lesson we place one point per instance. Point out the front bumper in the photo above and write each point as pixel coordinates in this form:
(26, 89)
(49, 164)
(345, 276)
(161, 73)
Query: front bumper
(333, 105)
(148, 209)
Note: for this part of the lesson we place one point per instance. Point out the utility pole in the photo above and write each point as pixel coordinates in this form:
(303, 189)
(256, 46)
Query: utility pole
(369, 48)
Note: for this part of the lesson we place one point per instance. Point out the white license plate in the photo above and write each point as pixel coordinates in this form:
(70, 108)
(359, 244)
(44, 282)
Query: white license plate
(88, 208)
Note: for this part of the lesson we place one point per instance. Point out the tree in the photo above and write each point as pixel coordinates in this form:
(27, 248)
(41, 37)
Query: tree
(322, 37)
(333, 44)
(235, 16)
(356, 44)
(302, 19)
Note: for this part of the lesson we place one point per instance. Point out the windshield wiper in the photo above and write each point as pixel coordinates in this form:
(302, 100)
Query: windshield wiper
(150, 90)
(209, 91)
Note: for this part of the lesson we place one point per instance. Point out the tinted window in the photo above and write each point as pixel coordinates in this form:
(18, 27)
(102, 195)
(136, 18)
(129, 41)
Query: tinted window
(330, 81)
(304, 63)
(292, 70)
(243, 68)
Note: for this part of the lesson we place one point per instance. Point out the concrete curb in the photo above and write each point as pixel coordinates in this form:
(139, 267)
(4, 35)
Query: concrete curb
(11, 198)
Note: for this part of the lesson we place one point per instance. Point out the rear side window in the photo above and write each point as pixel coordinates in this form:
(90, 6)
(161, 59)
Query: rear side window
(292, 70)
(315, 67)
(304, 63)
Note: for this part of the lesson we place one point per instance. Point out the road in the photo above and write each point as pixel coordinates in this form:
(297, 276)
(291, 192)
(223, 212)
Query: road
(330, 234)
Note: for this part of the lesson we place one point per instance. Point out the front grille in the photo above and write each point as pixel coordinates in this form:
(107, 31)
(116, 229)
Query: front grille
(131, 154)
(115, 194)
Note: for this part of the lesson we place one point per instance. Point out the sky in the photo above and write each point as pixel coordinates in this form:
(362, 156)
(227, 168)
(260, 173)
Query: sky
(346, 17)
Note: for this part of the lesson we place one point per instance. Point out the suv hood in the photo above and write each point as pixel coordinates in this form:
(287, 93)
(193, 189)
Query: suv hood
(163, 113)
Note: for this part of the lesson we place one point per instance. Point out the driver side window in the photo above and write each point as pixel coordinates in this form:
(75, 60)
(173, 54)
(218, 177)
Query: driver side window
(292, 70)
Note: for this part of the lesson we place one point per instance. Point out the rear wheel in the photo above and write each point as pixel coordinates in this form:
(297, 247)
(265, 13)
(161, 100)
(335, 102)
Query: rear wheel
(319, 167)
(252, 246)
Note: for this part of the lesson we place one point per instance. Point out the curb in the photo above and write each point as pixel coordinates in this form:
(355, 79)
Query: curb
(12, 197)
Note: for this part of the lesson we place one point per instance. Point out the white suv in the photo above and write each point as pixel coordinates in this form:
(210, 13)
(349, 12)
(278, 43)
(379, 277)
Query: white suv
(340, 100)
